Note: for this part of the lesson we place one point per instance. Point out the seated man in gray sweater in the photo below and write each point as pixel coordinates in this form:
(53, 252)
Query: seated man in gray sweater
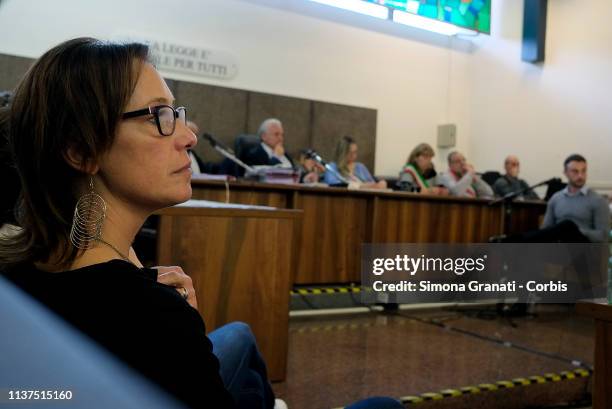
(461, 180)
(578, 205)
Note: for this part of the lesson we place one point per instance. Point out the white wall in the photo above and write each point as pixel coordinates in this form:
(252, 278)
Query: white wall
(278, 52)
(500, 104)
(545, 112)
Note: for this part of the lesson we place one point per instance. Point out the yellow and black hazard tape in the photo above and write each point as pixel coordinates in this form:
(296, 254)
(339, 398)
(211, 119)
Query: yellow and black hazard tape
(339, 327)
(326, 290)
(328, 328)
(489, 387)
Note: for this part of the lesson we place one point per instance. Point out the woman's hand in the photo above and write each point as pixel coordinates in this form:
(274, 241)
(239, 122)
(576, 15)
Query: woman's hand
(174, 276)
(381, 184)
(436, 190)
(311, 177)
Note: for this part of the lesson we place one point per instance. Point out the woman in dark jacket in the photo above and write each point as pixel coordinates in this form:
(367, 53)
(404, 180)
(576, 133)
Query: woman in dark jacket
(99, 145)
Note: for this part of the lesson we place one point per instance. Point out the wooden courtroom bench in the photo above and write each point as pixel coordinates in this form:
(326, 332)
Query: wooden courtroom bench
(240, 259)
(337, 221)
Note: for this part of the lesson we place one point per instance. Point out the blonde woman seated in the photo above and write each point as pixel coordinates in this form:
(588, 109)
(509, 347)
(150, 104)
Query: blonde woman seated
(346, 169)
(419, 175)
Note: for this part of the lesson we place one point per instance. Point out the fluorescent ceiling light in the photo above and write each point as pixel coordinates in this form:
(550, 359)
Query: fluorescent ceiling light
(358, 6)
(428, 24)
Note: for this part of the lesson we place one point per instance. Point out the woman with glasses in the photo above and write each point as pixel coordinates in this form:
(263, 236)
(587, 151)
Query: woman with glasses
(99, 146)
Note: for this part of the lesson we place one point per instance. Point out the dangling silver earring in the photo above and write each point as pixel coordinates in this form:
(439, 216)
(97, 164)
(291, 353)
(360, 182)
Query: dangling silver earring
(88, 218)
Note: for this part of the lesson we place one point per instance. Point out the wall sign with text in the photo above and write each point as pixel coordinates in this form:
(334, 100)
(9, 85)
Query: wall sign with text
(168, 56)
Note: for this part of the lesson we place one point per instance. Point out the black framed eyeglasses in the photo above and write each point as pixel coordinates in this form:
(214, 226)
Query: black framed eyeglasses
(165, 117)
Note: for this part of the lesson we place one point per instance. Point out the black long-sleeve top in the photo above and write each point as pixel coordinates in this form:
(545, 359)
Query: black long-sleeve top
(146, 324)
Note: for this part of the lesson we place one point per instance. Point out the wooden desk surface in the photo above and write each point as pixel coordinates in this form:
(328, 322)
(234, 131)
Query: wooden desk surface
(597, 309)
(212, 208)
(337, 221)
(243, 184)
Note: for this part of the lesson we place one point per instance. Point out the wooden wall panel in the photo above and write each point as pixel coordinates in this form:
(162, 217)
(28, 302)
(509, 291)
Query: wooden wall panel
(227, 112)
(332, 121)
(12, 69)
(217, 110)
(294, 113)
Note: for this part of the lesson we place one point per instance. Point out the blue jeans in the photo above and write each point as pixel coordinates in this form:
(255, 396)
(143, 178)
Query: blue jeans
(242, 367)
(244, 372)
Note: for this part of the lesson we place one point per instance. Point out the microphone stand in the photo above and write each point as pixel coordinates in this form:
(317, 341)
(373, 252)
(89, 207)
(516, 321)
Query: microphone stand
(317, 158)
(520, 308)
(227, 153)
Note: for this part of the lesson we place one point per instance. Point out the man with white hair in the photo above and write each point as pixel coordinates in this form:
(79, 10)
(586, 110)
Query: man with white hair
(271, 150)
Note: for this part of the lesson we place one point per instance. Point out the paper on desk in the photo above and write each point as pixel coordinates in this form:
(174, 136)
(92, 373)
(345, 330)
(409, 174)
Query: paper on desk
(209, 204)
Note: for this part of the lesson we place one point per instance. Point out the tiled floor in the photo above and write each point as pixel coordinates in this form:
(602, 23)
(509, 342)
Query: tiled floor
(336, 360)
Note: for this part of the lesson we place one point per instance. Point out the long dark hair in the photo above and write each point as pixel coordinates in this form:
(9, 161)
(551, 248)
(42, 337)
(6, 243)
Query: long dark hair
(71, 98)
(342, 150)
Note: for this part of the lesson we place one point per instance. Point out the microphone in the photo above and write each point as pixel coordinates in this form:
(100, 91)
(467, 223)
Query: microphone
(312, 154)
(509, 197)
(553, 180)
(546, 182)
(227, 152)
(214, 142)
